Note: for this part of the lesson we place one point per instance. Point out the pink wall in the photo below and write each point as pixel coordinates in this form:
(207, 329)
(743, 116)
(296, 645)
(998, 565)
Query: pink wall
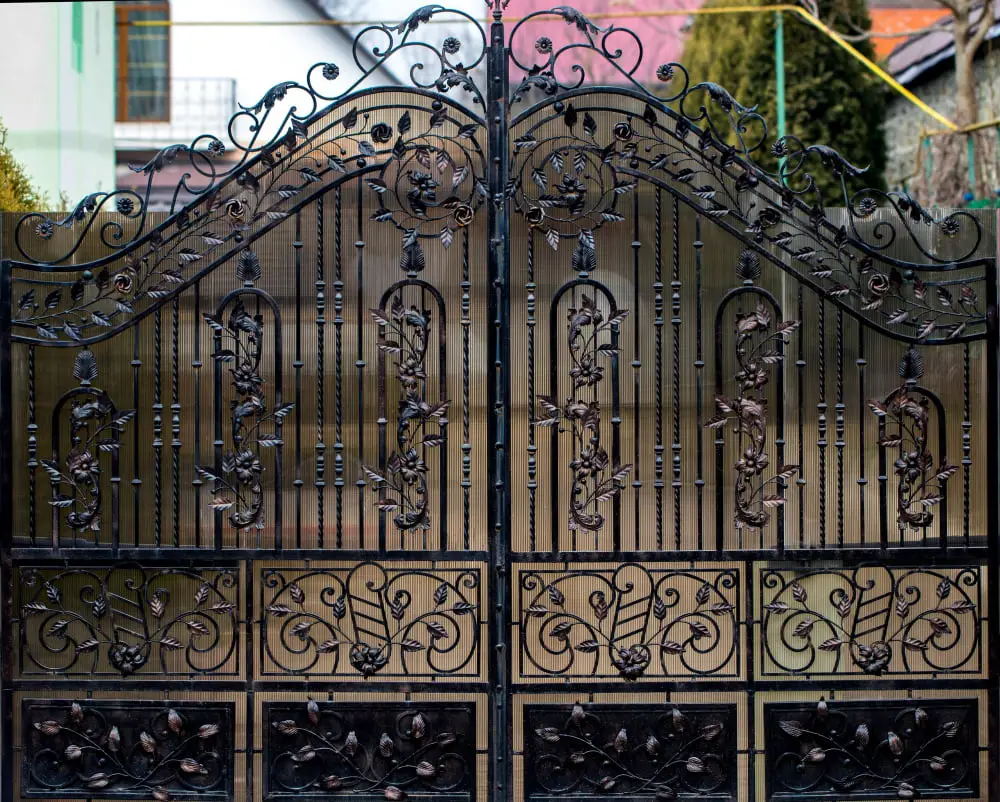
(661, 37)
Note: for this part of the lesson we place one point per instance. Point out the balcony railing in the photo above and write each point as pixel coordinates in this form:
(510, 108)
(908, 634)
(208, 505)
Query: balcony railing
(197, 106)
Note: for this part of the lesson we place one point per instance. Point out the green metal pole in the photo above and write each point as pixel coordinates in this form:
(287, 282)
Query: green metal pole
(779, 78)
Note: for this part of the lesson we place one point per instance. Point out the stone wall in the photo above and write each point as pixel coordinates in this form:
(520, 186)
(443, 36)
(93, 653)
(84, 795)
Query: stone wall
(905, 122)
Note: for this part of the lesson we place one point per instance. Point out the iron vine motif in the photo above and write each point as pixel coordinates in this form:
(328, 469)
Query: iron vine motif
(94, 428)
(885, 621)
(398, 622)
(372, 751)
(238, 478)
(595, 480)
(129, 616)
(597, 751)
(567, 180)
(118, 750)
(232, 211)
(685, 617)
(432, 180)
(919, 483)
(279, 158)
(873, 750)
(402, 484)
(257, 132)
(748, 412)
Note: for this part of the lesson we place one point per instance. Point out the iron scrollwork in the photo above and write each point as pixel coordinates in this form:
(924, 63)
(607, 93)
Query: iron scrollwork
(230, 214)
(238, 476)
(600, 751)
(872, 620)
(755, 353)
(622, 622)
(885, 749)
(128, 750)
(595, 479)
(95, 427)
(567, 179)
(129, 619)
(920, 485)
(370, 751)
(256, 132)
(433, 185)
(402, 485)
(377, 620)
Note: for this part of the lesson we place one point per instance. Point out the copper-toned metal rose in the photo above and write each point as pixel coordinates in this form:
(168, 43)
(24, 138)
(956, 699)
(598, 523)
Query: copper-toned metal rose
(463, 214)
(535, 215)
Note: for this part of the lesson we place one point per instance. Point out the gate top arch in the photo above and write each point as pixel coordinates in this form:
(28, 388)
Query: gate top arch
(493, 101)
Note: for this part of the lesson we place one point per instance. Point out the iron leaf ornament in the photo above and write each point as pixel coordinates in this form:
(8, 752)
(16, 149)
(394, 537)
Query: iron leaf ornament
(920, 484)
(758, 347)
(402, 483)
(238, 478)
(95, 428)
(594, 479)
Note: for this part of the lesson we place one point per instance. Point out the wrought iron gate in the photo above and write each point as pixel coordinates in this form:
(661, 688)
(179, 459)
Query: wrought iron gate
(520, 442)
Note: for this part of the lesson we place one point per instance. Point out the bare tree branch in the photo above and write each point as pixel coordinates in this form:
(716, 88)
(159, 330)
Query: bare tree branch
(985, 23)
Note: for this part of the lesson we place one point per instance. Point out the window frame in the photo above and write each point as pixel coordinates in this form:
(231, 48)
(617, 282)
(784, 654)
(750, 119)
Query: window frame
(123, 12)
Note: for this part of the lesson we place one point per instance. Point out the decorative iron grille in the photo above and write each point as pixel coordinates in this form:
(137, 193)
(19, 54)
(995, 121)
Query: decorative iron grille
(501, 436)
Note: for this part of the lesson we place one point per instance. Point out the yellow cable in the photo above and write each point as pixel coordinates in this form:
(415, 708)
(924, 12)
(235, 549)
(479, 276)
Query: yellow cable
(792, 9)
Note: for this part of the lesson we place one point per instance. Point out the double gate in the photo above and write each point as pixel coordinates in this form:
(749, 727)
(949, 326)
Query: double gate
(499, 437)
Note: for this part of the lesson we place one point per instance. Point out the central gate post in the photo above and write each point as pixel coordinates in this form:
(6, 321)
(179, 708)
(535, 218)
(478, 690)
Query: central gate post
(501, 735)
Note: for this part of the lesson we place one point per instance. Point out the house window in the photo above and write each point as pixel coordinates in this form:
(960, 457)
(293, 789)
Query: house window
(143, 51)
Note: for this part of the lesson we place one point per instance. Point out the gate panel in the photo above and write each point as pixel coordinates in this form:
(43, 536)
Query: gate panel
(529, 442)
(744, 461)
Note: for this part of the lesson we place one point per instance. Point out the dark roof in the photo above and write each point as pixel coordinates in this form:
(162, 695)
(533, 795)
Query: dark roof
(910, 62)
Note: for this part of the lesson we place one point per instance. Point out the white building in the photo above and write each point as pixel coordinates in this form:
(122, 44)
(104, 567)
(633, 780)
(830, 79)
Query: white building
(57, 67)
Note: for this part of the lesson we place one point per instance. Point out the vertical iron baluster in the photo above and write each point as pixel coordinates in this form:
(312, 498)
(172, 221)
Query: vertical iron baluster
(338, 324)
(699, 366)
(33, 446)
(883, 486)
(158, 426)
(554, 433)
(675, 378)
(839, 408)
(136, 480)
(382, 420)
(720, 442)
(966, 447)
(442, 422)
(616, 439)
(862, 451)
(636, 373)
(196, 364)
(320, 481)
(359, 364)
(531, 288)
(466, 429)
(779, 440)
(800, 366)
(821, 420)
(279, 450)
(175, 421)
(297, 365)
(658, 328)
(218, 443)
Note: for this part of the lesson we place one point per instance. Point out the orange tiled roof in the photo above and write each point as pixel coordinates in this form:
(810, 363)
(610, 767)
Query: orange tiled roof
(901, 20)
